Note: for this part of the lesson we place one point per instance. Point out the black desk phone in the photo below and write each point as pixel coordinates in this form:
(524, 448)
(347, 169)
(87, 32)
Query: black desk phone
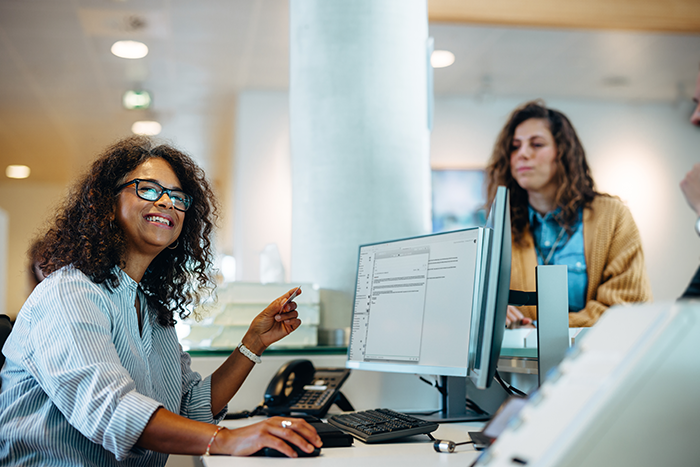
(301, 388)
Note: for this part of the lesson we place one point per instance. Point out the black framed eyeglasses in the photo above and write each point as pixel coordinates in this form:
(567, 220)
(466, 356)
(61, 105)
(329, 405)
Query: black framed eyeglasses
(153, 191)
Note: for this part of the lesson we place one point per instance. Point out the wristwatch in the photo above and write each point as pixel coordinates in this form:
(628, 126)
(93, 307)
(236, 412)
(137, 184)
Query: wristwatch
(697, 226)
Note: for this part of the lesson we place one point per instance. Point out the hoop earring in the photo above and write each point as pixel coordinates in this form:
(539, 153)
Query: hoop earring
(177, 243)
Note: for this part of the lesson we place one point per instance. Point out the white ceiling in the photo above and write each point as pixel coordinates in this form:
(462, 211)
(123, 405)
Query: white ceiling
(61, 88)
(567, 63)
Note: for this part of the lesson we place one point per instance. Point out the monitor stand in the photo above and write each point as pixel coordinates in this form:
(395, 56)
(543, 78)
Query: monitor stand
(453, 405)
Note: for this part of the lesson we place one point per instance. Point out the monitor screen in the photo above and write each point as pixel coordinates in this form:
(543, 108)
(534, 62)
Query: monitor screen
(413, 303)
(489, 325)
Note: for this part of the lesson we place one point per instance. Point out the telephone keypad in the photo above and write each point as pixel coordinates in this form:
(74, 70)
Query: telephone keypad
(314, 395)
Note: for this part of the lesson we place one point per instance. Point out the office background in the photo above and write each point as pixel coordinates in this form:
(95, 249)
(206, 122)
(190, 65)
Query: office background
(219, 72)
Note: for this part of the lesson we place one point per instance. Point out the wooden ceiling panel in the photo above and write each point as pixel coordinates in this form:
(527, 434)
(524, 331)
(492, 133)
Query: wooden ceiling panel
(637, 15)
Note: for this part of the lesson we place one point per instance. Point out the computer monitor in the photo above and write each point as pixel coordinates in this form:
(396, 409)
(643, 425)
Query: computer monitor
(414, 300)
(489, 325)
(436, 305)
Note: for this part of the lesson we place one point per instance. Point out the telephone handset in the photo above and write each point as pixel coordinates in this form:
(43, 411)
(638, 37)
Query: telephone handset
(301, 388)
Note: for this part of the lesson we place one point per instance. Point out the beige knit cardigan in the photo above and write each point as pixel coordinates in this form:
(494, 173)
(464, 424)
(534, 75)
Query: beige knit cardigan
(614, 262)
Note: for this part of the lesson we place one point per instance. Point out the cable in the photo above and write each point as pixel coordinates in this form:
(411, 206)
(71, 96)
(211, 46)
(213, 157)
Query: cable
(508, 388)
(445, 445)
(430, 435)
(441, 389)
(469, 403)
(424, 414)
(513, 391)
(244, 414)
(473, 406)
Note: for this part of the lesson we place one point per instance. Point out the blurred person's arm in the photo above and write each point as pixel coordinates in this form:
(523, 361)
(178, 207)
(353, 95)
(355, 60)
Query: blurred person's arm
(690, 186)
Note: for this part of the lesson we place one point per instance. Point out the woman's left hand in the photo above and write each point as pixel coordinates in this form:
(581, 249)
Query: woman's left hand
(272, 324)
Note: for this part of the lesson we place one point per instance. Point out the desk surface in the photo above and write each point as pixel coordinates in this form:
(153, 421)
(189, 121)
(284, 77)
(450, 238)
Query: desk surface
(407, 452)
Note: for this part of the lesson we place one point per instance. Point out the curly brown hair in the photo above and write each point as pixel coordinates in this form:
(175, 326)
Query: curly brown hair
(576, 186)
(82, 233)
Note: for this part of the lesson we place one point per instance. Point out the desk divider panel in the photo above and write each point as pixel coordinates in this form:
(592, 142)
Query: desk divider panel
(552, 317)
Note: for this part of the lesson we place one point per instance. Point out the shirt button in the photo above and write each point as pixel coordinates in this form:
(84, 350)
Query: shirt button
(546, 243)
(578, 264)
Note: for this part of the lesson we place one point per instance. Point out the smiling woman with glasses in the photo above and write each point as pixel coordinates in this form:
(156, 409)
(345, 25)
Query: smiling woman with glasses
(94, 373)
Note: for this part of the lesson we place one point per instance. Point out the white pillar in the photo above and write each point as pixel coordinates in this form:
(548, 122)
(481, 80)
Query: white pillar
(262, 185)
(359, 136)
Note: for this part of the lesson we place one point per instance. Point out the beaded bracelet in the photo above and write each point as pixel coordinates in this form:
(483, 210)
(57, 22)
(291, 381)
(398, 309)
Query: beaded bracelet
(211, 441)
(251, 356)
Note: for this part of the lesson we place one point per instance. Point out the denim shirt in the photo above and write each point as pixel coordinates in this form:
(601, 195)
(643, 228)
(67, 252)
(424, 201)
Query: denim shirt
(567, 251)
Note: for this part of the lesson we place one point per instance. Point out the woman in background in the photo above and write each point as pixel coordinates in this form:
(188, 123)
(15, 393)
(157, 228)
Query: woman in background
(558, 217)
(94, 372)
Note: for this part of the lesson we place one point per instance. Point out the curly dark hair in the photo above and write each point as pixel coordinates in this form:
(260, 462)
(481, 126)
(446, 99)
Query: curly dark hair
(82, 234)
(576, 186)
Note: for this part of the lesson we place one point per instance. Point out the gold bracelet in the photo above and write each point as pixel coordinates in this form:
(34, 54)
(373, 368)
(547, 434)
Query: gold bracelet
(211, 441)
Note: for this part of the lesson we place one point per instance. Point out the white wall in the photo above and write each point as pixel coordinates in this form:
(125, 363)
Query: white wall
(28, 205)
(637, 151)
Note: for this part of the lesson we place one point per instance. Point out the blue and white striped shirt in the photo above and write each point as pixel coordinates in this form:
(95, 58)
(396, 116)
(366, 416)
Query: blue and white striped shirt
(80, 384)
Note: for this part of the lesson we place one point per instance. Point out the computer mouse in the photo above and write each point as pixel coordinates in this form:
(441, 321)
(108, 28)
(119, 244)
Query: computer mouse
(271, 452)
(306, 417)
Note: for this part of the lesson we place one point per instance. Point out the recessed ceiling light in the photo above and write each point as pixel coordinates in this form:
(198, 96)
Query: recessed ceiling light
(145, 127)
(17, 171)
(441, 58)
(129, 49)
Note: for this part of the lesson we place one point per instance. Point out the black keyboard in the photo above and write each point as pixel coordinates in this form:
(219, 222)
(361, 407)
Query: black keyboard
(375, 426)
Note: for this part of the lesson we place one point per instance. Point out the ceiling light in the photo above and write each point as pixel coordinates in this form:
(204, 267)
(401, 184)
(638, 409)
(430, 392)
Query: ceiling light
(17, 171)
(136, 100)
(145, 127)
(129, 49)
(442, 58)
